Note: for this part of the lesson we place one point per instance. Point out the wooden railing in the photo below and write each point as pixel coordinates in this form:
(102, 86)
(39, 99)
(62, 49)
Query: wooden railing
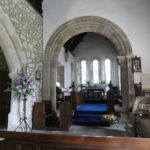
(46, 141)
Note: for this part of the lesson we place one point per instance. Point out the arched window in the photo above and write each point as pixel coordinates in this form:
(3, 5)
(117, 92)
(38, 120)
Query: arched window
(95, 71)
(83, 71)
(107, 70)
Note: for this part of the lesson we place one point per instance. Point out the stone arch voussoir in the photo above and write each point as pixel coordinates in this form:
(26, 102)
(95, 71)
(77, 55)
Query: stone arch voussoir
(76, 26)
(15, 58)
(10, 43)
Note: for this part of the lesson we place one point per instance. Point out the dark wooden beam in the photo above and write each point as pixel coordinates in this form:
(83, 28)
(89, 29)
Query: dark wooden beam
(72, 43)
(37, 5)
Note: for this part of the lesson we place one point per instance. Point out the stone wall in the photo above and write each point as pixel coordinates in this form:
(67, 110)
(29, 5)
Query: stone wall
(29, 27)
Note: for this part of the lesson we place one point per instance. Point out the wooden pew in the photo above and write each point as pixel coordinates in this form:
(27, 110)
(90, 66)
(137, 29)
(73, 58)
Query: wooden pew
(71, 99)
(79, 99)
(47, 141)
(65, 115)
(110, 101)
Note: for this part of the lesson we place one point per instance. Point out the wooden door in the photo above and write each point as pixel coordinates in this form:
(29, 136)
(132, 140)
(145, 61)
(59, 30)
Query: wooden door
(5, 98)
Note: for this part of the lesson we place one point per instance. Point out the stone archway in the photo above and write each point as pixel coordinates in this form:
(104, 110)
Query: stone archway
(88, 24)
(10, 44)
(15, 57)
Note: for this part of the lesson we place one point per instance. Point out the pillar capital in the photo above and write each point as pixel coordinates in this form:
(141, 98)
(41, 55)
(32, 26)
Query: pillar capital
(121, 60)
(12, 75)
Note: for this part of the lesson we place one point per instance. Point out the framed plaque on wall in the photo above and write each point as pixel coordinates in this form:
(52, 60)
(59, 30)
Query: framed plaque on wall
(136, 64)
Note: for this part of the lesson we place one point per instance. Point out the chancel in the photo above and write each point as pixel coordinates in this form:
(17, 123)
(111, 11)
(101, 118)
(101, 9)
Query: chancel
(74, 74)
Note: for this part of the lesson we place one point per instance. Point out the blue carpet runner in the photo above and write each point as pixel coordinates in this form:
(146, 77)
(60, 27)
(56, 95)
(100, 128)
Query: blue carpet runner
(90, 114)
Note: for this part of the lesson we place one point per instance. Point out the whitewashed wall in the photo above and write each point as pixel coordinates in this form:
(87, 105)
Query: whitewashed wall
(95, 46)
(67, 66)
(131, 16)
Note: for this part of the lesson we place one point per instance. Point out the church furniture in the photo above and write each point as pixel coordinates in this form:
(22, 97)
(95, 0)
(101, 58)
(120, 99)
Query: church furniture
(90, 114)
(73, 96)
(42, 115)
(67, 99)
(141, 110)
(65, 115)
(79, 99)
(59, 96)
(73, 99)
(143, 126)
(145, 92)
(39, 121)
(92, 105)
(48, 141)
(117, 95)
(138, 89)
(95, 92)
(142, 105)
(110, 100)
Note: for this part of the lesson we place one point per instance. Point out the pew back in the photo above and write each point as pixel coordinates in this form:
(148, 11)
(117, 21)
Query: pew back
(46, 141)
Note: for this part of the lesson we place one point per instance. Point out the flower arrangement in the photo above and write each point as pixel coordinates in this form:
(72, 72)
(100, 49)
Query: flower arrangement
(103, 82)
(23, 84)
(2, 139)
(111, 118)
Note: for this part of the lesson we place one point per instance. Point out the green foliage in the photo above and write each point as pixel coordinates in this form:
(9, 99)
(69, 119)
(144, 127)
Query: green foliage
(111, 118)
(23, 84)
(103, 82)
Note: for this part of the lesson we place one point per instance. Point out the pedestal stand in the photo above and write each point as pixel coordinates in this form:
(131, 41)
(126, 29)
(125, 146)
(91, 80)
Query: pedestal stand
(23, 124)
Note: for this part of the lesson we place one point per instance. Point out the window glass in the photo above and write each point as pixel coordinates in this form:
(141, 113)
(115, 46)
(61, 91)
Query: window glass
(95, 71)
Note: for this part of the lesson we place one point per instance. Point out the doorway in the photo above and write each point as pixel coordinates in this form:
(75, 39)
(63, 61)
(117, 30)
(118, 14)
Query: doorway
(5, 97)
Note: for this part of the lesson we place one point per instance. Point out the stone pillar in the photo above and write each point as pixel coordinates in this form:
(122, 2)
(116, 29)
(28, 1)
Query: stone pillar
(131, 97)
(13, 116)
(127, 81)
(124, 81)
(52, 84)
(46, 81)
(130, 81)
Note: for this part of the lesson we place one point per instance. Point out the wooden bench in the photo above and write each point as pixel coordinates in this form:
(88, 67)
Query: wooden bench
(46, 141)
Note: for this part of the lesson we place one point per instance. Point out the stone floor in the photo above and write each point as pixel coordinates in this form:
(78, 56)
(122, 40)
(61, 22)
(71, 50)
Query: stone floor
(114, 130)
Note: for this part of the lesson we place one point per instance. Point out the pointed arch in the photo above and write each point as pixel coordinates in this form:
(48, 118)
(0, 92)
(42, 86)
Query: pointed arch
(10, 44)
(11, 47)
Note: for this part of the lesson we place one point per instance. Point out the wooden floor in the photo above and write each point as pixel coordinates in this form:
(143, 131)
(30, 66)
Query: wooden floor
(46, 141)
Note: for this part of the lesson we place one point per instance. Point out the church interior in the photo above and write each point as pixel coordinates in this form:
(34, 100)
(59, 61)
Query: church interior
(74, 74)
